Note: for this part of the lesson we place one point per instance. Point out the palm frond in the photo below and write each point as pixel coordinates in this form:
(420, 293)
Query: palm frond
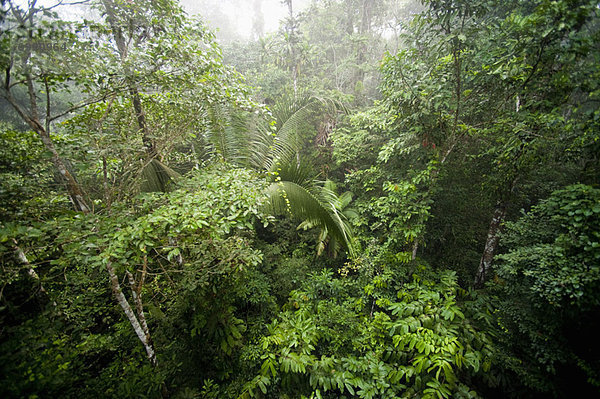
(227, 133)
(156, 177)
(289, 197)
(345, 199)
(300, 173)
(291, 115)
(245, 139)
(339, 211)
(262, 144)
(274, 146)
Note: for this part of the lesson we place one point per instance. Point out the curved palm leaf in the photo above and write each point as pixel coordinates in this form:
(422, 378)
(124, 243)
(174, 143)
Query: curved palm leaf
(246, 140)
(289, 197)
(281, 142)
(227, 133)
(339, 205)
(299, 173)
(156, 177)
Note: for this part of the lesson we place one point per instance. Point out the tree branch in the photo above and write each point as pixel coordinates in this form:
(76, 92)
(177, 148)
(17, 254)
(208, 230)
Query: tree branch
(23, 259)
(118, 293)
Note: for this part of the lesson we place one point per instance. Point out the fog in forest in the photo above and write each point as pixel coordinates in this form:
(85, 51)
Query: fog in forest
(242, 19)
(315, 199)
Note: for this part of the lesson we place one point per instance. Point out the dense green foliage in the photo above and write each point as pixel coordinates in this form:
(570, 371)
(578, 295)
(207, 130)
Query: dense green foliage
(382, 199)
(418, 342)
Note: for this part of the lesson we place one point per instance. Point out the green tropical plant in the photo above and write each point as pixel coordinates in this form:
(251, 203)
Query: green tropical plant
(340, 207)
(274, 147)
(549, 280)
(421, 343)
(166, 257)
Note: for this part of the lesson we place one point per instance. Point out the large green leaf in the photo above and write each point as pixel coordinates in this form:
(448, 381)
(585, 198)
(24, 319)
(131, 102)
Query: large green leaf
(246, 139)
(156, 177)
(289, 197)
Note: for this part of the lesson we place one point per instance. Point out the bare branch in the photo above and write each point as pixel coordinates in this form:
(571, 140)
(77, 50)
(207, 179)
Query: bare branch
(46, 86)
(78, 106)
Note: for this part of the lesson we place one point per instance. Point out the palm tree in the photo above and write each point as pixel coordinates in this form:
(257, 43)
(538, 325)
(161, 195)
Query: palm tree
(274, 148)
(339, 208)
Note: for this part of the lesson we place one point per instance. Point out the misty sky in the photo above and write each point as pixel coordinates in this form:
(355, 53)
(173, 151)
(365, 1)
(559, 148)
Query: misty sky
(237, 16)
(231, 17)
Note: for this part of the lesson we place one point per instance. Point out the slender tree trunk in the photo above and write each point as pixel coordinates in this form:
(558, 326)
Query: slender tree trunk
(491, 243)
(141, 119)
(291, 30)
(136, 100)
(139, 325)
(258, 22)
(73, 188)
(415, 249)
(23, 259)
(295, 78)
(365, 28)
(32, 116)
(136, 293)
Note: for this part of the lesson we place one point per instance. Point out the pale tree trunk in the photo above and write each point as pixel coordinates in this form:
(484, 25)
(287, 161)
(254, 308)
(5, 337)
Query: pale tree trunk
(493, 236)
(415, 249)
(364, 29)
(23, 259)
(32, 116)
(258, 22)
(491, 243)
(295, 78)
(138, 322)
(292, 37)
(73, 188)
(149, 143)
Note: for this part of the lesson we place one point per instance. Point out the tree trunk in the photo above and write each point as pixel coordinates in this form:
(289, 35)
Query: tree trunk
(258, 22)
(491, 243)
(140, 115)
(141, 119)
(291, 30)
(32, 118)
(142, 333)
(415, 249)
(73, 188)
(23, 259)
(364, 29)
